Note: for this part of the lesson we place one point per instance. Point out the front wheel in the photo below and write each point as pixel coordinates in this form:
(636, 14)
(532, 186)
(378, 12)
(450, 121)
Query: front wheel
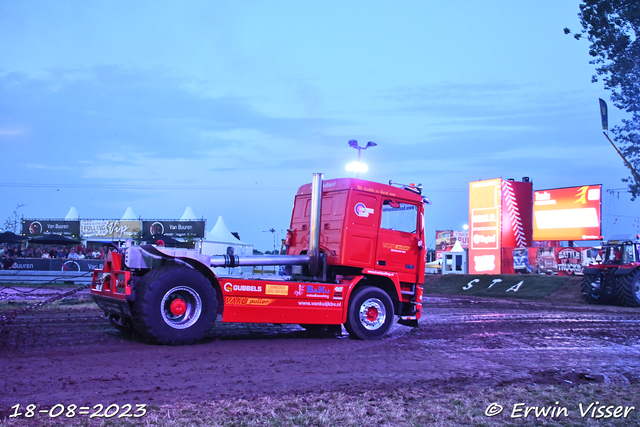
(370, 313)
(174, 305)
(591, 288)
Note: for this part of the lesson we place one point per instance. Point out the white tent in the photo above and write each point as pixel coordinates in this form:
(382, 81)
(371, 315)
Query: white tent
(188, 215)
(73, 214)
(129, 215)
(220, 241)
(457, 247)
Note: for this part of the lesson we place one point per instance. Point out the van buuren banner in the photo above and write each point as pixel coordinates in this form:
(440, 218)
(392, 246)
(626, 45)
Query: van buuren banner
(179, 229)
(37, 227)
(57, 264)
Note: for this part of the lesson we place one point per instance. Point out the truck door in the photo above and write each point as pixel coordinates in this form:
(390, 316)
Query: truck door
(399, 247)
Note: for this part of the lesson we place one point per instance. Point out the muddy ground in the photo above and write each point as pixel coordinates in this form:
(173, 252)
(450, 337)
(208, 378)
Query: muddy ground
(72, 355)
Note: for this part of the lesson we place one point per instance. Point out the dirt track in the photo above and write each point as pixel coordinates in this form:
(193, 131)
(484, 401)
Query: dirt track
(73, 356)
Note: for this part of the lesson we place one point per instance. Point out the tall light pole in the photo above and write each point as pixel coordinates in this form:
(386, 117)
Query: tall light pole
(358, 166)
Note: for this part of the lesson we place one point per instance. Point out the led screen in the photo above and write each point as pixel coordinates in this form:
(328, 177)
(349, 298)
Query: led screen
(571, 213)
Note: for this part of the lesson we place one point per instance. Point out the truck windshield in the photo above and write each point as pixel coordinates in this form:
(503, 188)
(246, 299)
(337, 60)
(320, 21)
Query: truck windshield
(613, 254)
(399, 216)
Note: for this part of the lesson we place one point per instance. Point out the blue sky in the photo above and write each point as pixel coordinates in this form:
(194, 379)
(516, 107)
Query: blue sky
(228, 107)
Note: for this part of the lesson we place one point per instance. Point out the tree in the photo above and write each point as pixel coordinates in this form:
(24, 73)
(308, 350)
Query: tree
(613, 28)
(12, 222)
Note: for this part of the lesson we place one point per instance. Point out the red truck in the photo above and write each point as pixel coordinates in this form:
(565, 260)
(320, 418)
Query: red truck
(355, 257)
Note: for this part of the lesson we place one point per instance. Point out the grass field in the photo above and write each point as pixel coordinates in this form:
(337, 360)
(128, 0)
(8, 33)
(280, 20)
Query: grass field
(528, 286)
(419, 406)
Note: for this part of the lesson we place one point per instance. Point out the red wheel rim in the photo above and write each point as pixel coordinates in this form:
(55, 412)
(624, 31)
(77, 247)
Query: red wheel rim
(372, 314)
(178, 307)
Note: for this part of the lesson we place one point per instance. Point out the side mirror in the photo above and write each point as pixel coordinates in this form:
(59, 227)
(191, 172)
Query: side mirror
(393, 204)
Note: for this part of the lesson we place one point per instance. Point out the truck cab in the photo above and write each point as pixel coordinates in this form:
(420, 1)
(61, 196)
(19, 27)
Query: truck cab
(365, 226)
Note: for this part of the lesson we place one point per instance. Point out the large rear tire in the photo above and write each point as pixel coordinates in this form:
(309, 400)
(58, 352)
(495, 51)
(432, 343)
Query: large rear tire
(370, 313)
(628, 288)
(174, 305)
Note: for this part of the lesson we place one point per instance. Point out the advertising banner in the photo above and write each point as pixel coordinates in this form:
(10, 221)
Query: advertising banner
(561, 261)
(109, 229)
(518, 260)
(445, 239)
(29, 264)
(179, 229)
(462, 237)
(569, 261)
(499, 216)
(57, 264)
(517, 208)
(444, 242)
(572, 213)
(37, 227)
(485, 205)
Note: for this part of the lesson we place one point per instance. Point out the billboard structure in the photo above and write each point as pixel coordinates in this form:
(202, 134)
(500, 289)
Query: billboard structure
(38, 227)
(572, 213)
(445, 239)
(500, 215)
(105, 229)
(173, 228)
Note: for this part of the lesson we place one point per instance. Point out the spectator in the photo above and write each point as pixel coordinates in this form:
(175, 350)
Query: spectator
(7, 260)
(38, 252)
(2, 249)
(73, 254)
(53, 253)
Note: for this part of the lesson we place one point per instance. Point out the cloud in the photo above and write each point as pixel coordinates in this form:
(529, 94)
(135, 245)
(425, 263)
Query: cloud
(109, 105)
(115, 123)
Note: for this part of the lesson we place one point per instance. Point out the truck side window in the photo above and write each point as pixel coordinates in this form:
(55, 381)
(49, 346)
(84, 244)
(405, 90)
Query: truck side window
(399, 216)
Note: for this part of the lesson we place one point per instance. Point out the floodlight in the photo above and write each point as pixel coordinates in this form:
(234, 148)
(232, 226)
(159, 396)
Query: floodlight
(357, 167)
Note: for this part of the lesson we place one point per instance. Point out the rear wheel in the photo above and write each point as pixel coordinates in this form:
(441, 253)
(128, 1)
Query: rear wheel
(628, 288)
(174, 305)
(370, 313)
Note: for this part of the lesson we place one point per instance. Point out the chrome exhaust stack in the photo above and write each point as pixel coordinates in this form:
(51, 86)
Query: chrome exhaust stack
(314, 227)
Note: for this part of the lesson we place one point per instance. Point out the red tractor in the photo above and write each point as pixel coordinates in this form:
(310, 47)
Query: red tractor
(617, 278)
(355, 257)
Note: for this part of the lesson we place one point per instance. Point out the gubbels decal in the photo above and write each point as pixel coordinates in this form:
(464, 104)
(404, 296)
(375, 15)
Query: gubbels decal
(362, 210)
